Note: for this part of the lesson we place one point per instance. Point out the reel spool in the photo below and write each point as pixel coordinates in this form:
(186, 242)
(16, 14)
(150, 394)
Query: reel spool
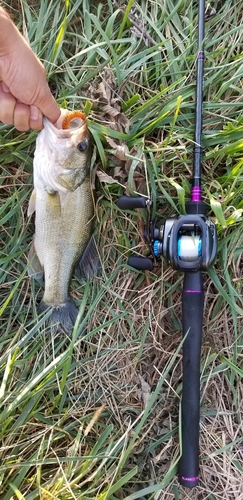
(189, 247)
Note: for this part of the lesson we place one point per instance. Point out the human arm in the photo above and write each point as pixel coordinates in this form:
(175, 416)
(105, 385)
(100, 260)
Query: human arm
(24, 93)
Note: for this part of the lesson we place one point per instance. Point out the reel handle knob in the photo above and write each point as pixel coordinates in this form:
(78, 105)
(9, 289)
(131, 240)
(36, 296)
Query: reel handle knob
(141, 263)
(130, 202)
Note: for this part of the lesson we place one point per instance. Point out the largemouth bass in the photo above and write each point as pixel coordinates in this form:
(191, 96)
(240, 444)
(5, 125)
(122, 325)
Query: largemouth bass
(63, 204)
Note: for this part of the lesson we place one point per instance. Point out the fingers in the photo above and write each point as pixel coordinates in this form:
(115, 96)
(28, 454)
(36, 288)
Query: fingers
(23, 120)
(7, 105)
(13, 112)
(36, 118)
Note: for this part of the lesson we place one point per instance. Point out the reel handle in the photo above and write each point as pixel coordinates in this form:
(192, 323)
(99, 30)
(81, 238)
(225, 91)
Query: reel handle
(140, 263)
(130, 202)
(192, 322)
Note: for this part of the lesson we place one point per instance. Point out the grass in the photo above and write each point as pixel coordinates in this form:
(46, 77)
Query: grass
(97, 417)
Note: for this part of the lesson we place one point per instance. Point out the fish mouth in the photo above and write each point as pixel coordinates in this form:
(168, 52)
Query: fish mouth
(67, 123)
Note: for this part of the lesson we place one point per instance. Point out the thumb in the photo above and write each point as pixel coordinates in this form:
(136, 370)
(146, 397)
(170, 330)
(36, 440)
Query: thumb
(47, 104)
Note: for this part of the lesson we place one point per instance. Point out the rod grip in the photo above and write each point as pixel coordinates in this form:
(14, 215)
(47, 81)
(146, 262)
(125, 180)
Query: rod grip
(130, 202)
(192, 321)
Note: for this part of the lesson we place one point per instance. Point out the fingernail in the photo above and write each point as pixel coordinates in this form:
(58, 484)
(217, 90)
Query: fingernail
(5, 88)
(34, 113)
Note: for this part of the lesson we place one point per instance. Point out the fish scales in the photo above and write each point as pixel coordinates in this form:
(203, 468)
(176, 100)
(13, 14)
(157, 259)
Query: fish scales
(64, 211)
(59, 244)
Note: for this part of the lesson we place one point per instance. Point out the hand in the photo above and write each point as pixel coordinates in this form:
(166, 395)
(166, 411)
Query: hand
(24, 93)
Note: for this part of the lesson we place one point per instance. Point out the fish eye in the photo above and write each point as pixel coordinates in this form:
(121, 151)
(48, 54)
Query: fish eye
(82, 146)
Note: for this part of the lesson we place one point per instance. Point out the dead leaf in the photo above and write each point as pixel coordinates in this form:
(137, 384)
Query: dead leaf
(109, 110)
(120, 149)
(119, 173)
(146, 391)
(107, 179)
(105, 91)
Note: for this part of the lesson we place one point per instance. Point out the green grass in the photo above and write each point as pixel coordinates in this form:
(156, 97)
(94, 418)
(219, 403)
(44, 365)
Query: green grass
(96, 418)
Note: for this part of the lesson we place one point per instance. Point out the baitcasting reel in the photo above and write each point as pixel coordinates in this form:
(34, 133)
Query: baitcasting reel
(188, 242)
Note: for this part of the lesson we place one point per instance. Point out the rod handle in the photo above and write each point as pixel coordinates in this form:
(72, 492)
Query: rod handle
(192, 322)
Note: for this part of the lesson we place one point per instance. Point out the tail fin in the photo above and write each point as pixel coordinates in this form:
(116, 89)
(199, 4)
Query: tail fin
(62, 317)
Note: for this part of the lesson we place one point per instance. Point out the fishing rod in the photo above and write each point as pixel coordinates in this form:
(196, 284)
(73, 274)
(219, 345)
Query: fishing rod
(189, 243)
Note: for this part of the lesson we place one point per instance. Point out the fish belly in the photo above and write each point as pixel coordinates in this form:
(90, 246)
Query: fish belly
(63, 228)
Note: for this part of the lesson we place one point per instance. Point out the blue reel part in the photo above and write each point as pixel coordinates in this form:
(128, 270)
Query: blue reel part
(157, 248)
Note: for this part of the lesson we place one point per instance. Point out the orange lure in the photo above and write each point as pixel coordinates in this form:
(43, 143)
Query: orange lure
(71, 117)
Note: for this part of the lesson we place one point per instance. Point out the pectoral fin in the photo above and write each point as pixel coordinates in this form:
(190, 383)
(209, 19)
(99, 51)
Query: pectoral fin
(89, 264)
(35, 269)
(53, 205)
(31, 207)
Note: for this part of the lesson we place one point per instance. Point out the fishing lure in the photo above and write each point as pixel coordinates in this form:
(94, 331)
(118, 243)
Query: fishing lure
(73, 115)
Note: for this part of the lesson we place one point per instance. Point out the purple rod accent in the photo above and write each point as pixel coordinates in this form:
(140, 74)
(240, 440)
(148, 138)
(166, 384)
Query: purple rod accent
(196, 194)
(189, 478)
(200, 55)
(193, 291)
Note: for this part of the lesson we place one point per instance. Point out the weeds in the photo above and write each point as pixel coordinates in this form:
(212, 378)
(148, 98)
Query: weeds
(96, 417)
